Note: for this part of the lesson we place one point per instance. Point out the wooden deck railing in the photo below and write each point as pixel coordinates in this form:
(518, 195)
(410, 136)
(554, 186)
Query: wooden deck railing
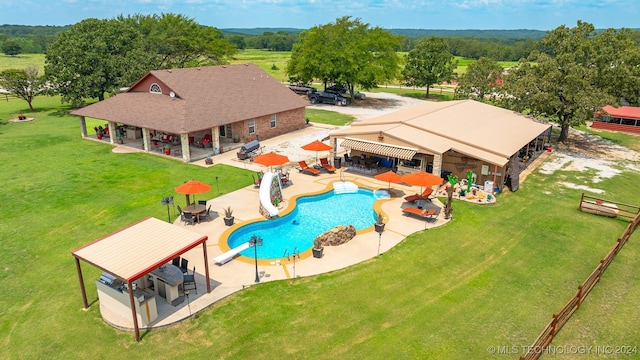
(560, 318)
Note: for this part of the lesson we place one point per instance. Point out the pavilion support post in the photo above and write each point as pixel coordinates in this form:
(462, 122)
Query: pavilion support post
(81, 279)
(495, 176)
(206, 266)
(437, 164)
(334, 145)
(133, 311)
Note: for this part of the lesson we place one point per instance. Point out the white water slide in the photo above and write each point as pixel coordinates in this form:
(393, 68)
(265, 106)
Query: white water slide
(265, 194)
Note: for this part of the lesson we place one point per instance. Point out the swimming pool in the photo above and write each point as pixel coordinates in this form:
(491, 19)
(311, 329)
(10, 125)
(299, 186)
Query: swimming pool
(312, 216)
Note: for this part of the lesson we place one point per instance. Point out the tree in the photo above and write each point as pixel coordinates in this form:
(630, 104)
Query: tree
(23, 83)
(482, 78)
(430, 62)
(576, 72)
(95, 57)
(11, 47)
(175, 41)
(346, 52)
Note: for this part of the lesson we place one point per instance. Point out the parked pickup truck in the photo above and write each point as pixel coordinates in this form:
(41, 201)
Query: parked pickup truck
(328, 98)
(301, 89)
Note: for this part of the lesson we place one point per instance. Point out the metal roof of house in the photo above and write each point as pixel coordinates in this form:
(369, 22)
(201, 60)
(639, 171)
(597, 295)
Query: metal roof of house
(486, 132)
(203, 98)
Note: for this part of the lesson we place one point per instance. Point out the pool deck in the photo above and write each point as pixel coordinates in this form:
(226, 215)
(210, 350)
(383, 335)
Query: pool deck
(239, 273)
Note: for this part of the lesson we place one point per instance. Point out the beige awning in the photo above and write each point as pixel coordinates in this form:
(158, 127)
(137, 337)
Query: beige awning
(373, 147)
(139, 248)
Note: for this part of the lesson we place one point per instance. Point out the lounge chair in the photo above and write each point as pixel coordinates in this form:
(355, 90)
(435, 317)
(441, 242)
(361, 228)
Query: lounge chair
(306, 169)
(424, 196)
(424, 213)
(324, 162)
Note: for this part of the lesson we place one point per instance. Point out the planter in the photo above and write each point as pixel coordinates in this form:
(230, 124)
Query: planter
(317, 253)
(229, 220)
(208, 162)
(236, 139)
(99, 137)
(379, 228)
(167, 151)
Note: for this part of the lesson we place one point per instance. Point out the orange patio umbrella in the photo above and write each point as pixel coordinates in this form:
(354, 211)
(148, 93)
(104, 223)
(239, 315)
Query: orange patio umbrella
(192, 187)
(271, 159)
(421, 179)
(316, 146)
(389, 177)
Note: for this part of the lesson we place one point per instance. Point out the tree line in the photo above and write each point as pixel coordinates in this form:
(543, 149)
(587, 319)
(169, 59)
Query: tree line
(502, 45)
(566, 76)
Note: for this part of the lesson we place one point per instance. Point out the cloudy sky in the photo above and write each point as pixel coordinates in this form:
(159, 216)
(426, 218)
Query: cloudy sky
(388, 14)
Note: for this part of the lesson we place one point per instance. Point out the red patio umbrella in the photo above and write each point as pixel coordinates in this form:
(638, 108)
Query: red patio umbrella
(316, 146)
(421, 179)
(271, 159)
(192, 187)
(389, 177)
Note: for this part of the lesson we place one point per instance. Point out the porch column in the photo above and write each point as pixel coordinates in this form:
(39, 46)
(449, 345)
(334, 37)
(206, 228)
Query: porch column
(437, 164)
(83, 127)
(215, 135)
(186, 152)
(112, 132)
(146, 140)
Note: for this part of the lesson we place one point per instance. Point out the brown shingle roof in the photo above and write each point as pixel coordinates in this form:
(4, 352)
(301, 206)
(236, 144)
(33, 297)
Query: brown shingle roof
(205, 97)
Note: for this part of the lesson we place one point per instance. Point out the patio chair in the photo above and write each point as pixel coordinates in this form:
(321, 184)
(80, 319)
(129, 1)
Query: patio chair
(181, 213)
(176, 261)
(306, 169)
(423, 213)
(184, 266)
(424, 196)
(202, 202)
(325, 165)
(189, 280)
(284, 179)
(188, 218)
(347, 160)
(206, 215)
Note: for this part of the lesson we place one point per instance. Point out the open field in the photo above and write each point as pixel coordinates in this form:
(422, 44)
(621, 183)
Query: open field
(491, 277)
(273, 62)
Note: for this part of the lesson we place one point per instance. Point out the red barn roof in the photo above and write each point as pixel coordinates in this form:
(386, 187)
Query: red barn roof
(624, 112)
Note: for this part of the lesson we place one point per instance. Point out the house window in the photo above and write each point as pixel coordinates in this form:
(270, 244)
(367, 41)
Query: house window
(155, 89)
(273, 121)
(252, 126)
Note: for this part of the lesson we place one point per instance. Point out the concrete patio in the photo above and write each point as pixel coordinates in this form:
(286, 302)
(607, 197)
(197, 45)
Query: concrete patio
(239, 273)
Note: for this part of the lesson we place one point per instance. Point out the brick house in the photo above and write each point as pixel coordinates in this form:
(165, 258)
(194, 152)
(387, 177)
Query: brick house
(198, 111)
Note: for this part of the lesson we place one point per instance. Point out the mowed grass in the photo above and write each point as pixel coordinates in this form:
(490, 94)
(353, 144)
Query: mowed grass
(491, 277)
(22, 61)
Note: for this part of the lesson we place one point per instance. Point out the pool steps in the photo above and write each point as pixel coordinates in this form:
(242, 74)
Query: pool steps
(344, 187)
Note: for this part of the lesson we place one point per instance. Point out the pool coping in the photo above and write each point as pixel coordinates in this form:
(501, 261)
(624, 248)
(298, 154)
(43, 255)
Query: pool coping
(223, 240)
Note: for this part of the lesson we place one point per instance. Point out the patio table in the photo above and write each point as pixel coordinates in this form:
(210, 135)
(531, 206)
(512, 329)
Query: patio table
(195, 209)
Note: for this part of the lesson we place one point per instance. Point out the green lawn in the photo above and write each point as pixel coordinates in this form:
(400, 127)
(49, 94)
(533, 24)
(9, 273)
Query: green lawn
(491, 277)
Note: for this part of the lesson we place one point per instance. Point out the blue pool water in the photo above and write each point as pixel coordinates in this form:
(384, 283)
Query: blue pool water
(312, 216)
